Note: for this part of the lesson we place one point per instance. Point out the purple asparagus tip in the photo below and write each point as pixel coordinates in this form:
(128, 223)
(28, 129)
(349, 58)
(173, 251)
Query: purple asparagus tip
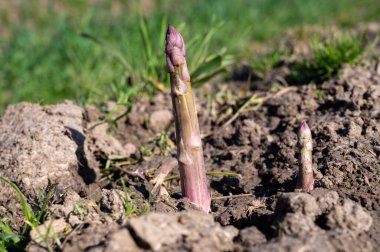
(174, 39)
(175, 49)
(304, 128)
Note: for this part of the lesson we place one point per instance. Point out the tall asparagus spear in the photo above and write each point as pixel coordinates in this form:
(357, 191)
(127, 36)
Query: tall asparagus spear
(305, 181)
(188, 138)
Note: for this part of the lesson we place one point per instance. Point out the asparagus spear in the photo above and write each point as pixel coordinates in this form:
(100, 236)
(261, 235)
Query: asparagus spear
(188, 138)
(305, 181)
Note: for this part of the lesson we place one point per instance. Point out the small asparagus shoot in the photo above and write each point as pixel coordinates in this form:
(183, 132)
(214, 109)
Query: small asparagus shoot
(188, 138)
(305, 181)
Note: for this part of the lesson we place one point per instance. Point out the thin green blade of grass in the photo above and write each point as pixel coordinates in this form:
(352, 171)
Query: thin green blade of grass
(202, 48)
(155, 67)
(147, 45)
(45, 198)
(214, 62)
(114, 53)
(29, 215)
(164, 24)
(2, 243)
(8, 233)
(128, 205)
(214, 65)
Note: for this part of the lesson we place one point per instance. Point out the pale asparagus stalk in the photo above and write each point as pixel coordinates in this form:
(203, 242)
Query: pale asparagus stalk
(305, 180)
(188, 138)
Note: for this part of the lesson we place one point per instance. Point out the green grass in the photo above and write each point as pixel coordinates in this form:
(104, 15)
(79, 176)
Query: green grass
(268, 61)
(9, 239)
(45, 59)
(133, 204)
(13, 241)
(327, 58)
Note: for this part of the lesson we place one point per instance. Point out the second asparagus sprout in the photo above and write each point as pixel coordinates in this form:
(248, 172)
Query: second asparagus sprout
(305, 177)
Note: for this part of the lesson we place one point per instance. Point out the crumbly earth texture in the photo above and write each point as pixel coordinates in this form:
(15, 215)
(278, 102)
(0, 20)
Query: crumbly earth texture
(255, 208)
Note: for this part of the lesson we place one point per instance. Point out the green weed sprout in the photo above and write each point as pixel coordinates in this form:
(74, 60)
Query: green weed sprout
(31, 218)
(29, 214)
(188, 137)
(305, 180)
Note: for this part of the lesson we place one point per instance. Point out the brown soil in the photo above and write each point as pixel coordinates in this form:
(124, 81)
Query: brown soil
(40, 146)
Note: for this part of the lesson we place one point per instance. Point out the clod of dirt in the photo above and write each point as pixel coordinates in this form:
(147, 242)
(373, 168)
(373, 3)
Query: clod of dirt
(350, 217)
(251, 132)
(330, 131)
(50, 229)
(297, 224)
(316, 241)
(237, 211)
(159, 120)
(112, 201)
(91, 237)
(251, 236)
(71, 198)
(130, 149)
(98, 141)
(294, 244)
(76, 210)
(121, 241)
(297, 203)
(326, 199)
(354, 131)
(44, 145)
(146, 118)
(183, 231)
(297, 215)
(193, 230)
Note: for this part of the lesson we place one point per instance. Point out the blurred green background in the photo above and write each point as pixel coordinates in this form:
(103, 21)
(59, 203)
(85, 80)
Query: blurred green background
(45, 58)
